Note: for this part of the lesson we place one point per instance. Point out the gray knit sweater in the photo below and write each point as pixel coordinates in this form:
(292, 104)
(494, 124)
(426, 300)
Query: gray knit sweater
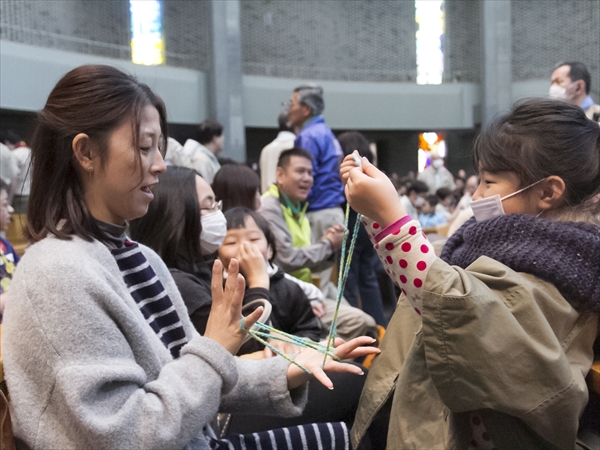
(84, 370)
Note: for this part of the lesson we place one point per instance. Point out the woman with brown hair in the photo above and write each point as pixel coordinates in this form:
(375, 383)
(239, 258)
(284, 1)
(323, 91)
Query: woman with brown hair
(237, 185)
(98, 349)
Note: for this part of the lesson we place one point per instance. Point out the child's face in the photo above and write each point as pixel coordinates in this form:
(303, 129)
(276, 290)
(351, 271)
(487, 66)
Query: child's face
(505, 183)
(117, 192)
(5, 210)
(427, 208)
(236, 237)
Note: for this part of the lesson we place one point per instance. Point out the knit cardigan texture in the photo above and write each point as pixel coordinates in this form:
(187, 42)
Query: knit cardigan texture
(566, 254)
(85, 370)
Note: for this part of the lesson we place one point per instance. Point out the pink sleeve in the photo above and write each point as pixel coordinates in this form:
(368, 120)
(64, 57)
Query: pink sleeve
(406, 255)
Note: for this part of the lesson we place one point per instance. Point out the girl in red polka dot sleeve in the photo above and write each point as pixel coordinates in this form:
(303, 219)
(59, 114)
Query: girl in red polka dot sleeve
(492, 340)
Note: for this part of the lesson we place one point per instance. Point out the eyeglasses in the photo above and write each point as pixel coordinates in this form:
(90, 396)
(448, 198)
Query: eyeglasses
(216, 206)
(286, 104)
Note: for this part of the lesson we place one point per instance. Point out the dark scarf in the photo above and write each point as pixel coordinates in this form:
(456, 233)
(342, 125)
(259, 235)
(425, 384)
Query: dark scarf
(566, 254)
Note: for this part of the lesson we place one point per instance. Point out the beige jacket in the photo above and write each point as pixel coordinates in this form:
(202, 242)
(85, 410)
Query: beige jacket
(502, 343)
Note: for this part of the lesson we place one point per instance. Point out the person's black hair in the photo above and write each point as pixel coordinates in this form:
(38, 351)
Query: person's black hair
(539, 138)
(236, 218)
(236, 185)
(443, 193)
(207, 130)
(578, 71)
(10, 136)
(354, 140)
(172, 226)
(432, 200)
(91, 99)
(4, 186)
(283, 122)
(286, 155)
(417, 186)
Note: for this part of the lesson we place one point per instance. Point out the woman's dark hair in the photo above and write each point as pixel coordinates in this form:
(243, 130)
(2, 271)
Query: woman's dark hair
(236, 218)
(94, 100)
(3, 186)
(540, 138)
(236, 185)
(172, 227)
(354, 140)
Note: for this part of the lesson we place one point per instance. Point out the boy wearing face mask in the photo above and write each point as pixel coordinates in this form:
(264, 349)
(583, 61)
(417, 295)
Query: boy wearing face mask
(414, 198)
(436, 175)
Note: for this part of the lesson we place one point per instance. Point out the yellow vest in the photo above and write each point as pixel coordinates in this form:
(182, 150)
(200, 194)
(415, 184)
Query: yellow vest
(299, 227)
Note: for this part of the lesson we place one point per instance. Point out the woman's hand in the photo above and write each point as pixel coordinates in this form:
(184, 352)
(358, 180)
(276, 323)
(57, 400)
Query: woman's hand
(223, 323)
(252, 266)
(283, 347)
(370, 192)
(313, 361)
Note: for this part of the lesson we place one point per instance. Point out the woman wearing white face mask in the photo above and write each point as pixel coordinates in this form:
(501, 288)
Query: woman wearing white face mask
(185, 226)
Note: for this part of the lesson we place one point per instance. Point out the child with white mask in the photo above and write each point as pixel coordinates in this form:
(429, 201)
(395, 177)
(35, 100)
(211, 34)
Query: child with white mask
(492, 340)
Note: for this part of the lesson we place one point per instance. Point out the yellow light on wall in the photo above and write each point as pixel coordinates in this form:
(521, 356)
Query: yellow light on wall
(147, 42)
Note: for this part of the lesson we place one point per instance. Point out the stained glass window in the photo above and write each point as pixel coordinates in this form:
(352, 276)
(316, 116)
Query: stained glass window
(147, 42)
(429, 15)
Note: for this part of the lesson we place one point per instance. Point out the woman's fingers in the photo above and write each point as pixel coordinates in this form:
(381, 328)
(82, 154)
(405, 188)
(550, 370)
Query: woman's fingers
(216, 284)
(321, 377)
(359, 346)
(232, 279)
(252, 318)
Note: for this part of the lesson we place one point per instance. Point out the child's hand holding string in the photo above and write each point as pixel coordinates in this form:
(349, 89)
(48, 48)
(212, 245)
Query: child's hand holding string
(370, 192)
(313, 361)
(223, 323)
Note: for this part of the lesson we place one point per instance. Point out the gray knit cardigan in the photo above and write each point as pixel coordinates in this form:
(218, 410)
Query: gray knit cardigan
(84, 370)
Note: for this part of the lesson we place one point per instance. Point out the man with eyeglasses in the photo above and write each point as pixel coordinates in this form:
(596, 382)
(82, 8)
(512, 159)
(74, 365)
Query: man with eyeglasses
(304, 111)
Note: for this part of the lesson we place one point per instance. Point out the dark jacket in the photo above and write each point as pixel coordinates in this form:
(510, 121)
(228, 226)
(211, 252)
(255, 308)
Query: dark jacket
(292, 312)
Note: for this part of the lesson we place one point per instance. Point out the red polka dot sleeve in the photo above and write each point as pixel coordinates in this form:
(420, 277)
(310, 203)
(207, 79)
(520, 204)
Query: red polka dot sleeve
(406, 255)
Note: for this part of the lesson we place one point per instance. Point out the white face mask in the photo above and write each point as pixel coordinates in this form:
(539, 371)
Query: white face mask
(437, 163)
(214, 229)
(419, 202)
(490, 207)
(560, 92)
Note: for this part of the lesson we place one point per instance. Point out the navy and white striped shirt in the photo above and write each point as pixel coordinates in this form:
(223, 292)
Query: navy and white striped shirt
(150, 296)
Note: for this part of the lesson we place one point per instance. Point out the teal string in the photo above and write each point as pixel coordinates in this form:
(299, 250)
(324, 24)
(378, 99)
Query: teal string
(272, 333)
(344, 269)
(344, 266)
(264, 332)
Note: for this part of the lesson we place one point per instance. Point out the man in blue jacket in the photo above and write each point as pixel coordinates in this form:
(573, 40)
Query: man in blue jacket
(327, 194)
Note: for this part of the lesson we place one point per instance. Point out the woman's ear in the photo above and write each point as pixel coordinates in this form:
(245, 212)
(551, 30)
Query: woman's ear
(552, 191)
(84, 151)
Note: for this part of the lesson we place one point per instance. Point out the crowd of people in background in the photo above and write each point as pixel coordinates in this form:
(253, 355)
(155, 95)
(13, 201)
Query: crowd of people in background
(133, 289)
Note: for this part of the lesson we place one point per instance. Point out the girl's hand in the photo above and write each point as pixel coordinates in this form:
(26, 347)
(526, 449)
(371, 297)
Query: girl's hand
(313, 361)
(223, 323)
(370, 192)
(252, 266)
